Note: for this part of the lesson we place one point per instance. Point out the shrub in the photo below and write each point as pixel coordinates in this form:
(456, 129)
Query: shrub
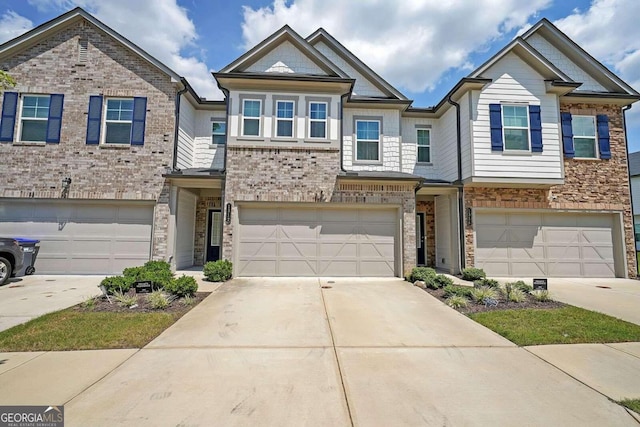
(90, 303)
(218, 271)
(188, 301)
(541, 295)
(441, 280)
(488, 283)
(158, 272)
(422, 273)
(158, 300)
(472, 273)
(457, 301)
(451, 290)
(522, 286)
(115, 284)
(478, 295)
(185, 285)
(125, 299)
(517, 295)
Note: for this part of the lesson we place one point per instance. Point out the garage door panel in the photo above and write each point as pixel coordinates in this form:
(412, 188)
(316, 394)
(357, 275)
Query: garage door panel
(492, 252)
(527, 252)
(597, 236)
(524, 237)
(316, 242)
(525, 219)
(488, 219)
(497, 268)
(599, 270)
(597, 254)
(559, 220)
(563, 252)
(529, 268)
(562, 235)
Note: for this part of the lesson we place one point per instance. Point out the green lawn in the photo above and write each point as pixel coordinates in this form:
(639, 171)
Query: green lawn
(633, 404)
(77, 330)
(566, 325)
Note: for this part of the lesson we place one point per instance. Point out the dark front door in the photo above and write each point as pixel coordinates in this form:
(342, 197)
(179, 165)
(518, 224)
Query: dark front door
(420, 242)
(214, 235)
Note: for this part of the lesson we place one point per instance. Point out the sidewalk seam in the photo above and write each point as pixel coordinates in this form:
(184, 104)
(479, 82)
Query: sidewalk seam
(26, 361)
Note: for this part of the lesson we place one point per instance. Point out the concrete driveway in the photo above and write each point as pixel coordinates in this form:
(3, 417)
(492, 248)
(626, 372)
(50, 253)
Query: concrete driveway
(25, 298)
(280, 352)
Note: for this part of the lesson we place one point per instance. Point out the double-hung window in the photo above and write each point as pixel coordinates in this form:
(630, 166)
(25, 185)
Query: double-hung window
(31, 117)
(424, 145)
(118, 121)
(318, 120)
(251, 110)
(284, 118)
(218, 132)
(515, 121)
(34, 117)
(584, 136)
(368, 140)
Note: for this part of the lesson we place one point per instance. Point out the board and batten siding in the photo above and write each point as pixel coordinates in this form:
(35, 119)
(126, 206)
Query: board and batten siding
(514, 81)
(206, 154)
(186, 133)
(390, 140)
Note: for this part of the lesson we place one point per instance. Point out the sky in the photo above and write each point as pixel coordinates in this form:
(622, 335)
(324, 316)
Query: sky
(422, 48)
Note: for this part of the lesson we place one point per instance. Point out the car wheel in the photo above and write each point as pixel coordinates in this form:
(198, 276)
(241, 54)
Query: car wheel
(5, 270)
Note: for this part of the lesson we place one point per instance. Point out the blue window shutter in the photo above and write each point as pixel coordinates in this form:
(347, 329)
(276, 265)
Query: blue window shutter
(94, 120)
(55, 118)
(567, 135)
(535, 124)
(139, 115)
(8, 119)
(603, 136)
(495, 120)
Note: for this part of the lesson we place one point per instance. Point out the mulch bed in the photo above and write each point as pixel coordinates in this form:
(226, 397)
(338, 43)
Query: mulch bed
(503, 304)
(176, 306)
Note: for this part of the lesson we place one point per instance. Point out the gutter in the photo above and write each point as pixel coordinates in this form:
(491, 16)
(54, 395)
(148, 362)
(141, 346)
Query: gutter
(461, 261)
(626, 148)
(177, 122)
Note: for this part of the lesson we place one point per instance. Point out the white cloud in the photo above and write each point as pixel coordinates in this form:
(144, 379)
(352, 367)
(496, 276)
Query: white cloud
(12, 25)
(161, 27)
(411, 45)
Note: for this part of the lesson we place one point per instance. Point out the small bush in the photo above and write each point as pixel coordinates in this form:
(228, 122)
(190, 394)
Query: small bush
(441, 280)
(158, 300)
(488, 283)
(188, 301)
(517, 295)
(182, 286)
(115, 284)
(451, 290)
(478, 295)
(125, 299)
(422, 273)
(472, 274)
(457, 301)
(90, 303)
(218, 271)
(541, 295)
(158, 272)
(522, 286)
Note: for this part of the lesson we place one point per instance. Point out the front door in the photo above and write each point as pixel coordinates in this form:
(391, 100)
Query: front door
(214, 235)
(420, 243)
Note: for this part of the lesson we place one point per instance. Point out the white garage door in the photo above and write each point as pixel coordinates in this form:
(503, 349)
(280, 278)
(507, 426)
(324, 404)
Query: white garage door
(316, 242)
(545, 244)
(81, 238)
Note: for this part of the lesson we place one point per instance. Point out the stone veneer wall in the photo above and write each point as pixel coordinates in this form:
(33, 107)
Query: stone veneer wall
(428, 207)
(97, 172)
(590, 185)
(270, 174)
(202, 210)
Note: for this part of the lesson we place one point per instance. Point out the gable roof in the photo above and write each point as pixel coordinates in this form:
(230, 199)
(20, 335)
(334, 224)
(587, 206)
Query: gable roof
(285, 33)
(73, 16)
(321, 35)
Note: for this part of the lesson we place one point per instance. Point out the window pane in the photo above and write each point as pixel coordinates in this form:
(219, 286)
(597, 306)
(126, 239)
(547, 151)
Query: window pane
(34, 130)
(424, 154)
(118, 133)
(285, 109)
(215, 229)
(368, 130)
(120, 109)
(30, 101)
(219, 128)
(583, 126)
(251, 127)
(251, 108)
(424, 137)
(284, 128)
(367, 151)
(514, 116)
(516, 139)
(318, 111)
(219, 139)
(585, 147)
(318, 130)
(35, 106)
(29, 112)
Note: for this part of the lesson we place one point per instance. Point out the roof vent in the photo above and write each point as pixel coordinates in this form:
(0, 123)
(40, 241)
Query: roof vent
(83, 44)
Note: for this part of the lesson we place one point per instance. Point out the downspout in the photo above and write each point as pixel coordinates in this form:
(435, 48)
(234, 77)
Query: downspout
(177, 123)
(341, 112)
(626, 147)
(226, 146)
(460, 186)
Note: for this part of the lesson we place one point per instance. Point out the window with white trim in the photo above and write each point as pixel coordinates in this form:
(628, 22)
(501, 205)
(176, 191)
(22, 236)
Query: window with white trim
(219, 132)
(584, 137)
(251, 109)
(515, 127)
(118, 120)
(424, 145)
(318, 120)
(34, 117)
(367, 140)
(284, 118)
